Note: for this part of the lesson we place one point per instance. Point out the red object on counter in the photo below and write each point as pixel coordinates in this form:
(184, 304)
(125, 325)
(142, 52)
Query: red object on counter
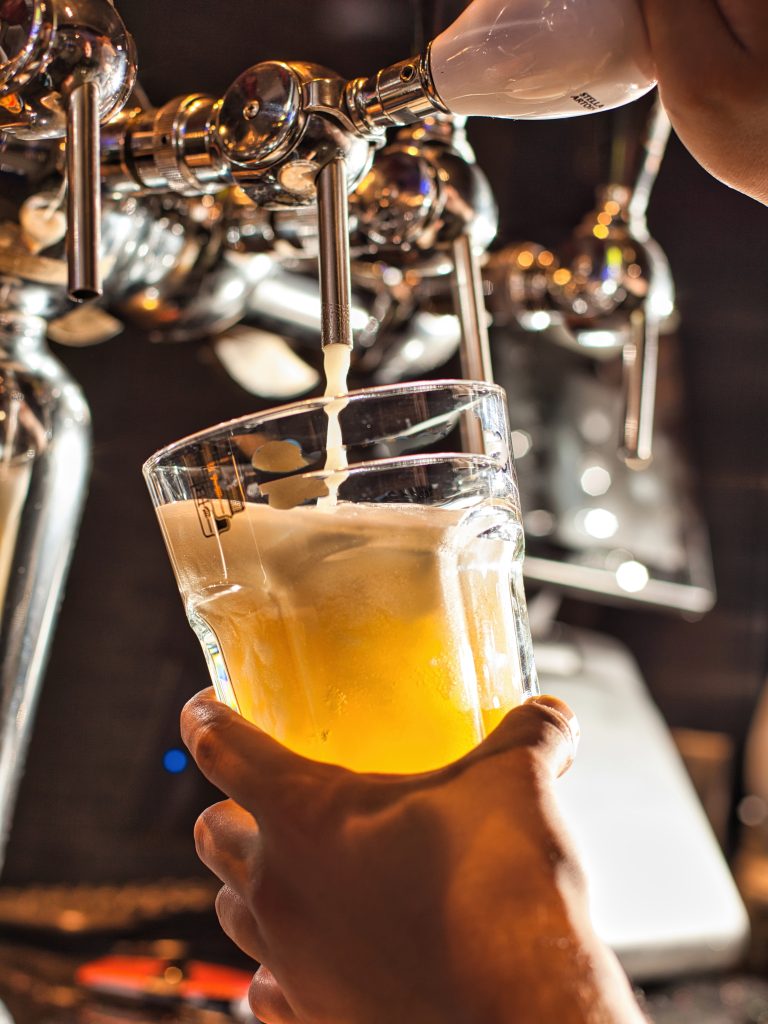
(142, 977)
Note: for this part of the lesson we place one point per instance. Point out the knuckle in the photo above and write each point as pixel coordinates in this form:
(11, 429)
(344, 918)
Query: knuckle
(223, 903)
(261, 996)
(205, 738)
(535, 724)
(202, 833)
(555, 716)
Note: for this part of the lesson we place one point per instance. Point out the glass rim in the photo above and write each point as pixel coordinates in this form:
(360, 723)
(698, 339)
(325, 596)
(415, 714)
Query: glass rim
(320, 402)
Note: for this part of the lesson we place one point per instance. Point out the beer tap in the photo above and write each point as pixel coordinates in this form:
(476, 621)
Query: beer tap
(508, 60)
(68, 66)
(609, 289)
(425, 195)
(615, 283)
(518, 59)
(291, 136)
(296, 135)
(281, 133)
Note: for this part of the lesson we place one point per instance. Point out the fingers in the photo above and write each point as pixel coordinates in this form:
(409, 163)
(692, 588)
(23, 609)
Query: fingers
(241, 760)
(239, 924)
(546, 727)
(228, 842)
(267, 1000)
(688, 34)
(748, 21)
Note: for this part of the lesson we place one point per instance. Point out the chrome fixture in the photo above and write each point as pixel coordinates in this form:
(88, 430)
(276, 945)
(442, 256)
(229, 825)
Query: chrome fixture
(518, 60)
(44, 462)
(425, 195)
(206, 201)
(67, 67)
(607, 291)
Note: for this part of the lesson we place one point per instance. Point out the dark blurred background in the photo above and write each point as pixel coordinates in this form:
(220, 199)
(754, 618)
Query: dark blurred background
(97, 803)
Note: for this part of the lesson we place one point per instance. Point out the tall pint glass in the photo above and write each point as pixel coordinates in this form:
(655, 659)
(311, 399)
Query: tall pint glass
(372, 617)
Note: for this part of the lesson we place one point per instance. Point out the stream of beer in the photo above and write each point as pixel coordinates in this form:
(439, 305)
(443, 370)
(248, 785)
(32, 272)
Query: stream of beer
(336, 359)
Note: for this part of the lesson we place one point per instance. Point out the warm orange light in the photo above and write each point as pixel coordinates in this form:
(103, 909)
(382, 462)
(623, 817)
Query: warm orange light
(525, 259)
(12, 104)
(561, 277)
(546, 259)
(612, 208)
(600, 231)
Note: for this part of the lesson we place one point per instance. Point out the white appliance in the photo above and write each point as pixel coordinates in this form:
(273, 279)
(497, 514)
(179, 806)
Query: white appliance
(661, 893)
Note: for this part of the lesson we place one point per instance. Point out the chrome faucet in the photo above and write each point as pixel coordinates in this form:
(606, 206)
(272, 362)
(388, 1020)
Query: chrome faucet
(66, 68)
(609, 287)
(44, 462)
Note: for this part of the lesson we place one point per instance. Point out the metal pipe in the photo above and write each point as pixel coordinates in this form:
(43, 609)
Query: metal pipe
(470, 305)
(641, 355)
(657, 135)
(333, 255)
(43, 480)
(83, 193)
(475, 347)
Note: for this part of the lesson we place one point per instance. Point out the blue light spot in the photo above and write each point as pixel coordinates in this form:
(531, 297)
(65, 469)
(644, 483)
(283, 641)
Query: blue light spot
(175, 761)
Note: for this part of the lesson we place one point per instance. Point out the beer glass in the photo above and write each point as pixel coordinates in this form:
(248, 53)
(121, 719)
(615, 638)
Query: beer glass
(371, 616)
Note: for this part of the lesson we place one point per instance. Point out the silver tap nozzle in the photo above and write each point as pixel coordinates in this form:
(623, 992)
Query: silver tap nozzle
(400, 94)
(333, 255)
(83, 193)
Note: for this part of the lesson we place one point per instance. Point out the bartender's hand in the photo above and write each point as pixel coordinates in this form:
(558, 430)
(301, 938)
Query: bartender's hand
(712, 62)
(451, 897)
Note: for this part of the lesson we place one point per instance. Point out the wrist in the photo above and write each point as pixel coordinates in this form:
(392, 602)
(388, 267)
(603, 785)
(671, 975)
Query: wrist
(543, 964)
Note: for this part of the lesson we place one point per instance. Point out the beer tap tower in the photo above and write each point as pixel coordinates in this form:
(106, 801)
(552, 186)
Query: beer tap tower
(66, 67)
(290, 136)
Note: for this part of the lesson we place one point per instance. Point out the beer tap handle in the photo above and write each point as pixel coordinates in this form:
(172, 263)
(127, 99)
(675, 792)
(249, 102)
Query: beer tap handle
(333, 256)
(83, 192)
(640, 357)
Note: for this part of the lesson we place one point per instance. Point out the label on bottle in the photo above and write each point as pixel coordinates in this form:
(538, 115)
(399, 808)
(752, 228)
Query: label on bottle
(587, 101)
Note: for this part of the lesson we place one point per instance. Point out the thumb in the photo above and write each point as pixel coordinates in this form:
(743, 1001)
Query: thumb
(240, 759)
(544, 725)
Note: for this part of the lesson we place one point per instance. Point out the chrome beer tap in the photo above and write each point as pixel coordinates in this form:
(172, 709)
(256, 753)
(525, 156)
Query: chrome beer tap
(281, 134)
(295, 134)
(67, 66)
(64, 67)
(508, 60)
(615, 287)
(44, 462)
(426, 196)
(608, 290)
(290, 137)
(518, 59)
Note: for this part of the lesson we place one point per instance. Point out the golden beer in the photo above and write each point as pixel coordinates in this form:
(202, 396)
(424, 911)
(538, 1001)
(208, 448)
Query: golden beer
(382, 637)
